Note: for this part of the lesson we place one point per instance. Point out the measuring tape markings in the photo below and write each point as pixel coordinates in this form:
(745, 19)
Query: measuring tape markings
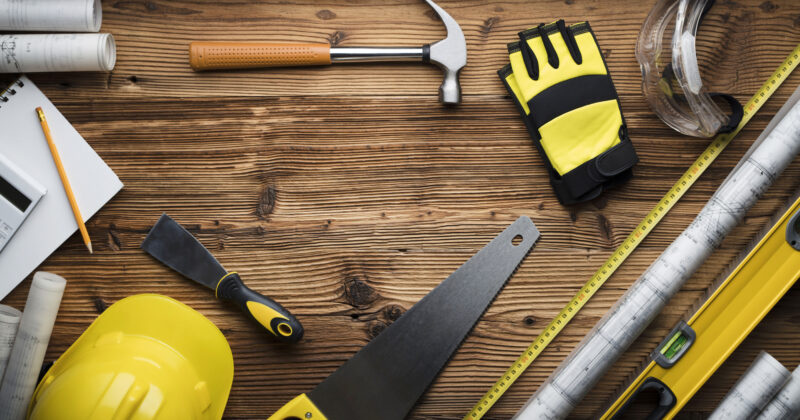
(633, 240)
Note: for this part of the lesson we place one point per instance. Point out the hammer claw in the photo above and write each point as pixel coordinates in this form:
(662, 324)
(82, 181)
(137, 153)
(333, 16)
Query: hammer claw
(450, 54)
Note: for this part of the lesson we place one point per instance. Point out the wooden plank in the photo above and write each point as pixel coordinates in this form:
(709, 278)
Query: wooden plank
(348, 192)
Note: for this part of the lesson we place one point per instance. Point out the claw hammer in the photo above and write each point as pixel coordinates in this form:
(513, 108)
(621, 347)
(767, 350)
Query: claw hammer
(450, 54)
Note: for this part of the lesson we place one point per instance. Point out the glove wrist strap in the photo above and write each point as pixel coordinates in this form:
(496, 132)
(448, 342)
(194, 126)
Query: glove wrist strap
(579, 182)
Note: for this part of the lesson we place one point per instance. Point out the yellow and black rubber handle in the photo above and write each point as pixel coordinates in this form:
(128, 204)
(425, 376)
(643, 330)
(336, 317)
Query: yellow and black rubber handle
(245, 55)
(277, 320)
(301, 407)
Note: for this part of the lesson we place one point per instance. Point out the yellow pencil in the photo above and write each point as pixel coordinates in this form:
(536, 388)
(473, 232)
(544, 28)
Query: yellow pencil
(63, 174)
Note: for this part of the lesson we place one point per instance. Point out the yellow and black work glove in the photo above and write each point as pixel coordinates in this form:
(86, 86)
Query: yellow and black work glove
(560, 83)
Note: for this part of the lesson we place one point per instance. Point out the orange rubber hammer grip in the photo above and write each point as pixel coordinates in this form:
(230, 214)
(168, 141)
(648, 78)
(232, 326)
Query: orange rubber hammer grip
(242, 55)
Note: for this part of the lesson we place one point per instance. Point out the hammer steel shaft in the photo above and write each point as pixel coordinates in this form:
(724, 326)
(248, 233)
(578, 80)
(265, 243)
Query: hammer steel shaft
(372, 54)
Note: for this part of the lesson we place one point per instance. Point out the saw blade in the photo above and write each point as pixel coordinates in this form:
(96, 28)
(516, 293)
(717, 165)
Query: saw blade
(179, 250)
(386, 377)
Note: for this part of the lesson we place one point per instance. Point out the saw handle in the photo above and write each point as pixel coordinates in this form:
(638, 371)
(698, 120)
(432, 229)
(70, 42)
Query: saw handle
(244, 55)
(277, 320)
(301, 407)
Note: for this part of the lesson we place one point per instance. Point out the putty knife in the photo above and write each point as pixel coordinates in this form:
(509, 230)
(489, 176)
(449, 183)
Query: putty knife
(179, 250)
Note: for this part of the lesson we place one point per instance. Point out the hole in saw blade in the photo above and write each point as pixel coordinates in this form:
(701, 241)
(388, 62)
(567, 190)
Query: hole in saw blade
(516, 240)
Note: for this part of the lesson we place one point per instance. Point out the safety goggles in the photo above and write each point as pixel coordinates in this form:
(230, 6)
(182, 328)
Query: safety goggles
(670, 74)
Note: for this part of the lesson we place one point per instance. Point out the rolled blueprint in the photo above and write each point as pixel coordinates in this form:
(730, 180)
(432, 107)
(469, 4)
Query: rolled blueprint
(754, 390)
(767, 158)
(9, 320)
(785, 405)
(50, 15)
(59, 52)
(27, 355)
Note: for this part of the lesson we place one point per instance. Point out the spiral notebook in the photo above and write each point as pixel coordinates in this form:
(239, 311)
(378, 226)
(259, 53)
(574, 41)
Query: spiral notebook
(51, 222)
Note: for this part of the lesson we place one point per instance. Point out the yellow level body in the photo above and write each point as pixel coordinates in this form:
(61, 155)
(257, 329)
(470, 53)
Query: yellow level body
(739, 303)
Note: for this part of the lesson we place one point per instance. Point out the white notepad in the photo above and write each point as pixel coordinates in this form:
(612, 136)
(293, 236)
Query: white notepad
(50, 224)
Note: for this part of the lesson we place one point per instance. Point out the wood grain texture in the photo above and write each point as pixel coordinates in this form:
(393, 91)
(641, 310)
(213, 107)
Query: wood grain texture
(348, 192)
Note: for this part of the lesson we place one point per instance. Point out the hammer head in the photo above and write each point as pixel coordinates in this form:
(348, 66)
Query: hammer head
(450, 54)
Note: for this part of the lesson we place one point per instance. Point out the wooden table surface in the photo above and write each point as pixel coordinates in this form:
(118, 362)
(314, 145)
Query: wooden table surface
(348, 192)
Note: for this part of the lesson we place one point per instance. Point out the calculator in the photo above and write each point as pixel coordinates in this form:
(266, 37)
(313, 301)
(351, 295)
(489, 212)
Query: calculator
(19, 194)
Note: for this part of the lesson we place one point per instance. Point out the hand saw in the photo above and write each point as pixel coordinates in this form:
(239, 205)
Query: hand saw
(179, 250)
(694, 349)
(386, 377)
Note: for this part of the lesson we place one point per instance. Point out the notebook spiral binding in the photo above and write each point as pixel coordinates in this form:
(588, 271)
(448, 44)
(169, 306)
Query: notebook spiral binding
(9, 91)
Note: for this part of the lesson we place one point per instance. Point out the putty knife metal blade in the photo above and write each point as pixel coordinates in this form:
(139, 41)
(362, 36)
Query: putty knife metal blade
(179, 250)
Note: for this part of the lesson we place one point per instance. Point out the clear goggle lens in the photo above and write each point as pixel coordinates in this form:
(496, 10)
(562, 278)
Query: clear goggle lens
(670, 74)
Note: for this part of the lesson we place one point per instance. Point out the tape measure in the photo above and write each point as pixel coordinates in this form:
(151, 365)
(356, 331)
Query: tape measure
(633, 240)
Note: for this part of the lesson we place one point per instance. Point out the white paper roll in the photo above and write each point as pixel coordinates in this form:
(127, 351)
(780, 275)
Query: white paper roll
(754, 390)
(30, 345)
(785, 405)
(21, 53)
(51, 15)
(9, 321)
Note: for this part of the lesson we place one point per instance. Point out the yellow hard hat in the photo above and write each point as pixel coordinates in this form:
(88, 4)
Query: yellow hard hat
(146, 357)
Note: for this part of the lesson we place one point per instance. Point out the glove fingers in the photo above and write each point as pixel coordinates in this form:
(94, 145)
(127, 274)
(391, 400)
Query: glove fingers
(520, 69)
(530, 60)
(591, 59)
(552, 57)
(507, 76)
(569, 39)
(570, 53)
(524, 58)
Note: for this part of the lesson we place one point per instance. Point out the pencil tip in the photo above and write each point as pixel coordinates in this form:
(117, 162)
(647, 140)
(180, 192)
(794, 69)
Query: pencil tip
(89, 245)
